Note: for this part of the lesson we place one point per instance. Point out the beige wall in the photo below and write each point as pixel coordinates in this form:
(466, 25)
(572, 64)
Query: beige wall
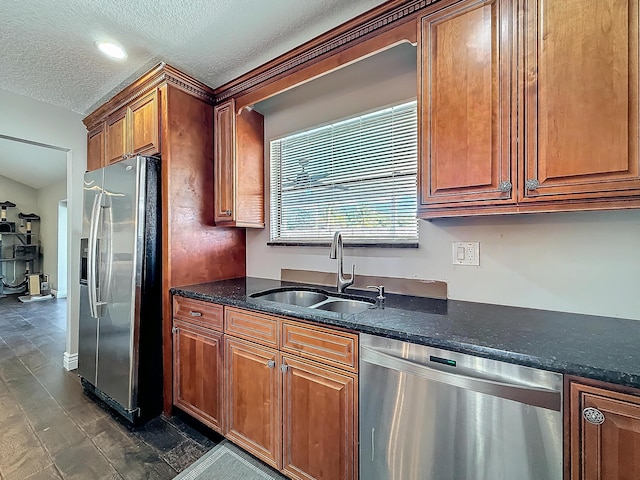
(26, 200)
(48, 200)
(584, 262)
(28, 119)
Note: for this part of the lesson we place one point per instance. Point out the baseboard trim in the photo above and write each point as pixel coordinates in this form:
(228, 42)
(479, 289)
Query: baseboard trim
(70, 361)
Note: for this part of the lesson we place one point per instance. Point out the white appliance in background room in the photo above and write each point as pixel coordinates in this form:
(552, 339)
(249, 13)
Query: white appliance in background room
(120, 335)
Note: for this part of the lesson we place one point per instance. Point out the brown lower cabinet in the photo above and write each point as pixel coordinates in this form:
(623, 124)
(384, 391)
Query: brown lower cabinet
(319, 423)
(604, 432)
(253, 389)
(198, 372)
(283, 390)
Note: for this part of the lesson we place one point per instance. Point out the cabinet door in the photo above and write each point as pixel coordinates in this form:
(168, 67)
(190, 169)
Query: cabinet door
(198, 373)
(611, 450)
(581, 99)
(116, 136)
(224, 162)
(143, 119)
(320, 421)
(95, 148)
(253, 389)
(465, 105)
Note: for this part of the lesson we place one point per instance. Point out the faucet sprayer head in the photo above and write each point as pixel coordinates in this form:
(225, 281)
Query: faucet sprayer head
(337, 238)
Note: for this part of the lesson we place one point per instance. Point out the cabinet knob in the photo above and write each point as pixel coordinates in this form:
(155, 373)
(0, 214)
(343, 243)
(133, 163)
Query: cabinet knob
(195, 314)
(271, 363)
(174, 330)
(532, 184)
(284, 368)
(505, 187)
(227, 213)
(593, 416)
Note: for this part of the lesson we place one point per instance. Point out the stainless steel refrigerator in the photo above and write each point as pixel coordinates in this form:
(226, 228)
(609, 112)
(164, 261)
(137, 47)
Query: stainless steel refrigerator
(120, 333)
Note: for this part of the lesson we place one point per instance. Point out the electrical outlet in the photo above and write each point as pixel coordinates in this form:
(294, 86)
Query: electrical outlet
(466, 253)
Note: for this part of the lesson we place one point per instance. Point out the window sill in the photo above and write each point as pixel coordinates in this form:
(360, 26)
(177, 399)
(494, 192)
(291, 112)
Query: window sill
(407, 244)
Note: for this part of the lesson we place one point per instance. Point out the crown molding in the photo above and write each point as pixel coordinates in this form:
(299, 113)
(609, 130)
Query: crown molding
(384, 17)
(158, 75)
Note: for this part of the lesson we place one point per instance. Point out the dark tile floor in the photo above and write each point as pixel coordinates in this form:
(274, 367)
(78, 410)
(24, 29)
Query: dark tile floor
(50, 429)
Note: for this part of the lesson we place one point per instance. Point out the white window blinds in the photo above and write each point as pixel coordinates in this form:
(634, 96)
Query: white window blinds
(357, 176)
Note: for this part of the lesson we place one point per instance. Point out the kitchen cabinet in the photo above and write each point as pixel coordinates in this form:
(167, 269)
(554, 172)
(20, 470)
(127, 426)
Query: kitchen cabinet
(95, 148)
(466, 105)
(238, 166)
(198, 372)
(581, 100)
(133, 129)
(198, 361)
(538, 113)
(604, 438)
(318, 402)
(292, 392)
(253, 389)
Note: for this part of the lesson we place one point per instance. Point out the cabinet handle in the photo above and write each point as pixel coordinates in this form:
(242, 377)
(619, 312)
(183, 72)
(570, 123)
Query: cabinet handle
(271, 363)
(593, 416)
(195, 314)
(505, 187)
(284, 368)
(174, 330)
(227, 213)
(532, 184)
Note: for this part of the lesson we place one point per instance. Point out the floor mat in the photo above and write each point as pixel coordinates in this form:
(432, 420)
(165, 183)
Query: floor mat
(227, 462)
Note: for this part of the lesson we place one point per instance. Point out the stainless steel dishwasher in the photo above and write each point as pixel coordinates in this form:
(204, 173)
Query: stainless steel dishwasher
(430, 414)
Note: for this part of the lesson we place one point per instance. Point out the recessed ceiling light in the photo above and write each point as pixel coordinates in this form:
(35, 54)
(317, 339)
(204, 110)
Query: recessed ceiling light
(112, 50)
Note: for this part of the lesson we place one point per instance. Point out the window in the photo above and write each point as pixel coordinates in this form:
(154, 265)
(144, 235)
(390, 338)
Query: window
(357, 175)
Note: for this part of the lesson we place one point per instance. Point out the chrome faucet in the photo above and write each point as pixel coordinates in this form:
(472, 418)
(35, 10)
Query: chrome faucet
(336, 252)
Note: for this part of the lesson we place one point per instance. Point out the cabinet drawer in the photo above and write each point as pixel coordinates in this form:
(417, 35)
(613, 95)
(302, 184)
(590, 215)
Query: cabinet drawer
(324, 345)
(197, 311)
(251, 326)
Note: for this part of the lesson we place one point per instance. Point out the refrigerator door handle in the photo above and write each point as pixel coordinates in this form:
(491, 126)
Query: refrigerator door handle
(107, 260)
(92, 256)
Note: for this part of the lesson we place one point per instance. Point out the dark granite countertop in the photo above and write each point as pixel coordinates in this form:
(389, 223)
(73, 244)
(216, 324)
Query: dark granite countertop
(601, 348)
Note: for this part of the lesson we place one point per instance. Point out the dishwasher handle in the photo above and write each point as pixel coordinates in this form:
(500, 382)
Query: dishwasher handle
(537, 397)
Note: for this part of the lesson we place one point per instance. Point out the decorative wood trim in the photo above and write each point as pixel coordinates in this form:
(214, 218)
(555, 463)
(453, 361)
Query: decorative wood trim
(617, 203)
(354, 31)
(161, 73)
(253, 326)
(320, 344)
(352, 52)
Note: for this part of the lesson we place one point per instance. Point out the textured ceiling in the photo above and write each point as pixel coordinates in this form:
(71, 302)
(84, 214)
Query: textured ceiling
(48, 48)
(31, 164)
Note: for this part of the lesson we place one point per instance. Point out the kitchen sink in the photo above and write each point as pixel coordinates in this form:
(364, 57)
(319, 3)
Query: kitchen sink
(344, 306)
(318, 300)
(302, 298)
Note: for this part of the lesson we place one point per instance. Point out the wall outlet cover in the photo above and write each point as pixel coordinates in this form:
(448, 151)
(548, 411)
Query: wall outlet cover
(466, 253)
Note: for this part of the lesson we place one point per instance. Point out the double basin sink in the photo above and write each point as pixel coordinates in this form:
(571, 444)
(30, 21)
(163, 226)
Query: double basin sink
(317, 300)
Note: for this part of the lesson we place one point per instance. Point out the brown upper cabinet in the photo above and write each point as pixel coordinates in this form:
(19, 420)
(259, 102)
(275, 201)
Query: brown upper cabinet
(95, 148)
(238, 166)
(133, 130)
(581, 100)
(551, 125)
(466, 101)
